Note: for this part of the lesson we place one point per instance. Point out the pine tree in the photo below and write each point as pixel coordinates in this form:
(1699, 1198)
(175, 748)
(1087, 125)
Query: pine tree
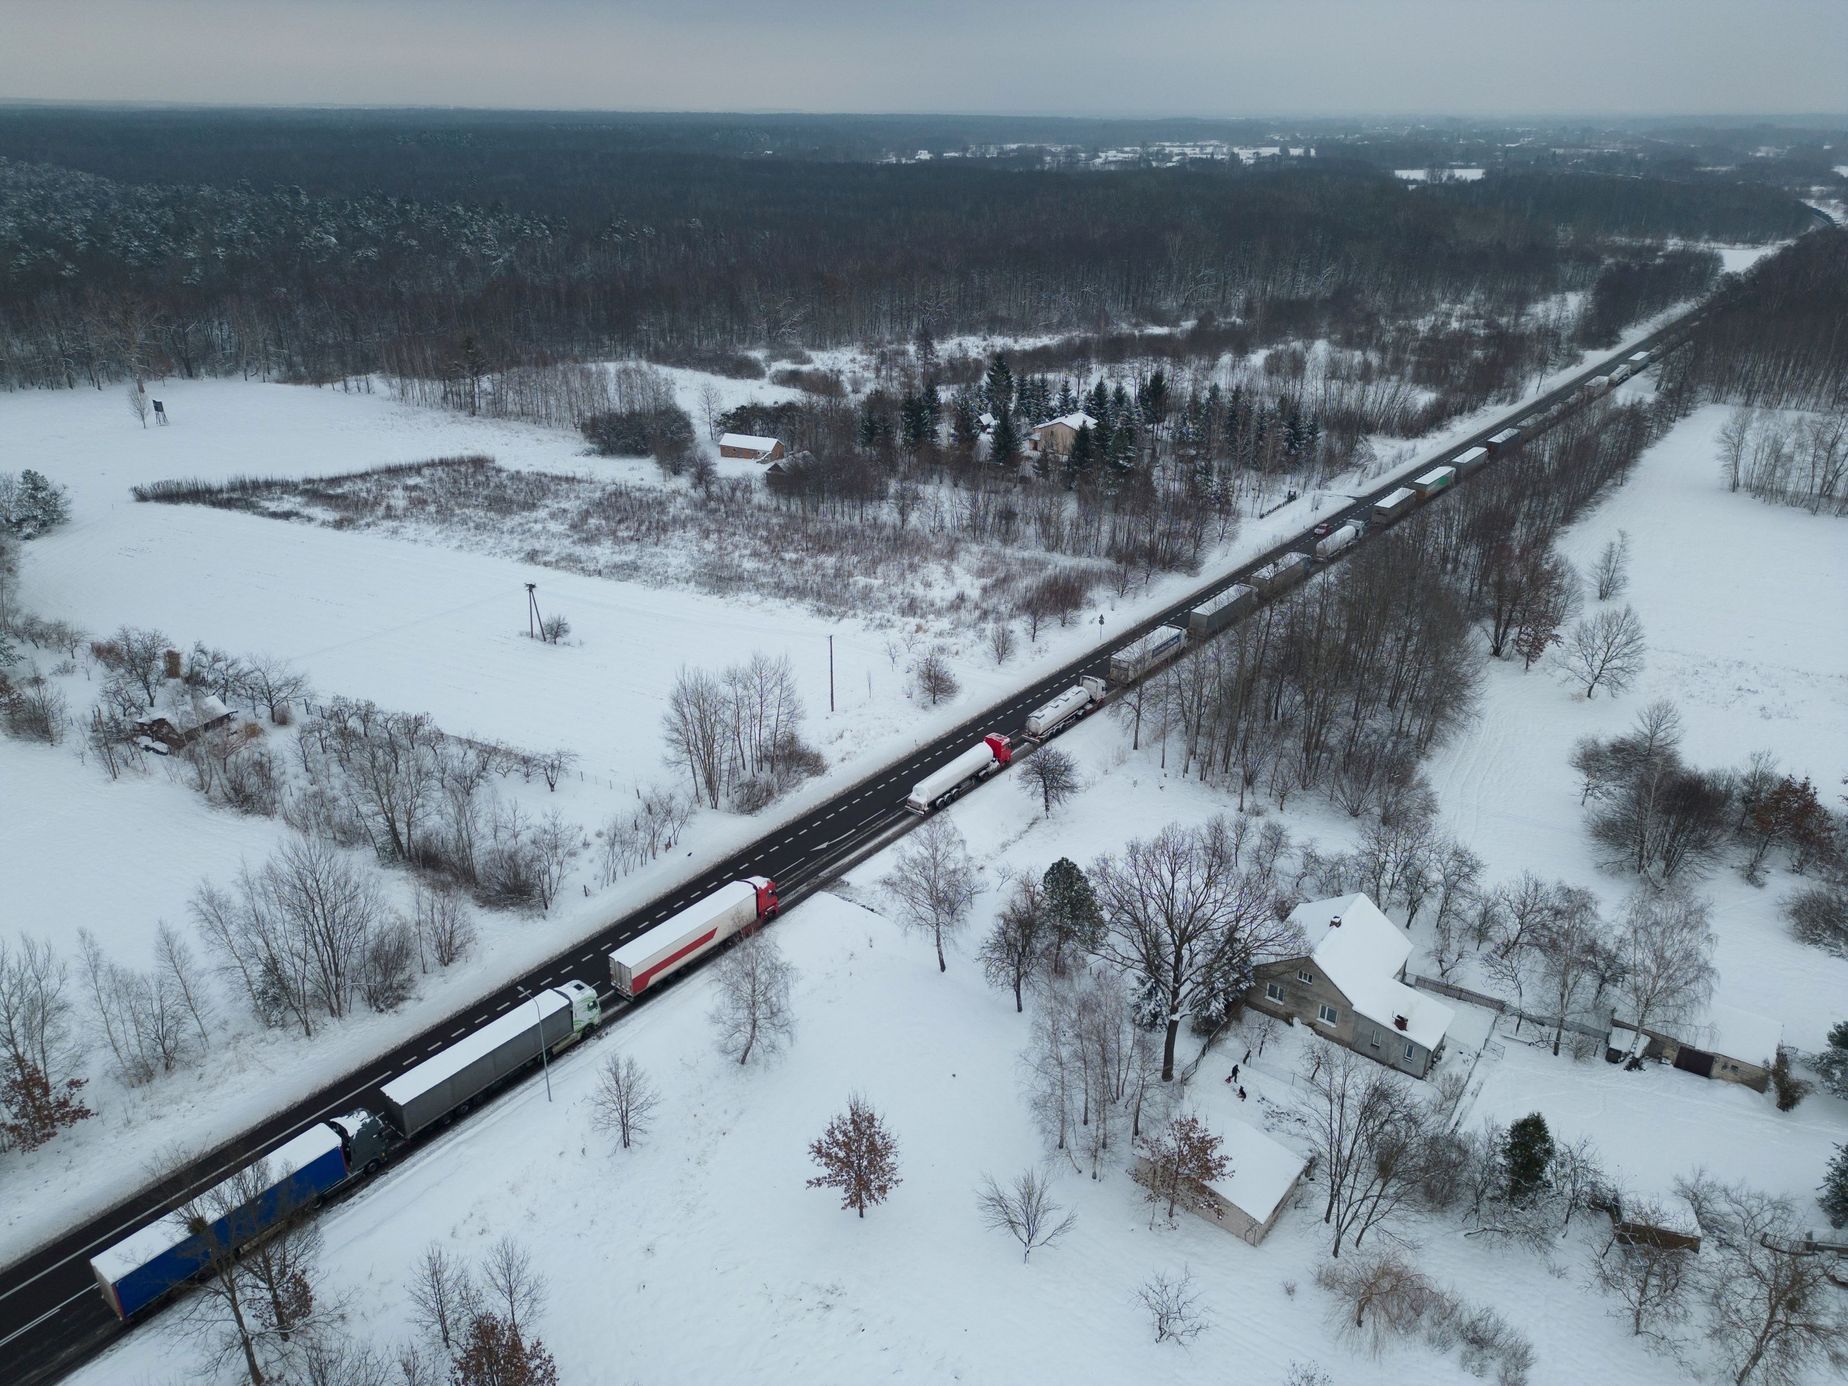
(41, 504)
(1834, 1197)
(965, 421)
(1097, 405)
(998, 386)
(1068, 398)
(1831, 1064)
(1073, 918)
(1527, 1154)
(1004, 439)
(1152, 399)
(858, 1156)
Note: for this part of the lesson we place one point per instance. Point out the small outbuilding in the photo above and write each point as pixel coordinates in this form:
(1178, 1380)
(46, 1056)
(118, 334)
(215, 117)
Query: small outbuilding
(1732, 1045)
(183, 723)
(1055, 437)
(751, 448)
(1248, 1201)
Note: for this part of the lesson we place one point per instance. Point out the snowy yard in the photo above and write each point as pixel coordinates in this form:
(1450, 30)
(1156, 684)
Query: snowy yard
(711, 1209)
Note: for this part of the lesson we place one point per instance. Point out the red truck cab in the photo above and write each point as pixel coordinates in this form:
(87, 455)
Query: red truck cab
(998, 744)
(766, 898)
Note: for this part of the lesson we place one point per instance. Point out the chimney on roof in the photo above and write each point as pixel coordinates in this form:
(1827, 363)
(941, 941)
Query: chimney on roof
(1335, 923)
(173, 664)
(1400, 1022)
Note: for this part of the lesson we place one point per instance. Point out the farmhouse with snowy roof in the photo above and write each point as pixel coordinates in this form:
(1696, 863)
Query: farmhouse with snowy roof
(751, 447)
(1054, 438)
(1349, 985)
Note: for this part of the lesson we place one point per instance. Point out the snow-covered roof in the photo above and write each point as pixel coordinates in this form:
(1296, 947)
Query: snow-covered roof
(750, 441)
(446, 1063)
(1362, 955)
(1263, 1171)
(164, 1233)
(1071, 421)
(1737, 1034)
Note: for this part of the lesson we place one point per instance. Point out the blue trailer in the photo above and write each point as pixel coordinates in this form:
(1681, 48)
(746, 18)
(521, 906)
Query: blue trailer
(152, 1262)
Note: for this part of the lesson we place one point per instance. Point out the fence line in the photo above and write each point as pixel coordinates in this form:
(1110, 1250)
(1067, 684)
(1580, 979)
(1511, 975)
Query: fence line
(1501, 1007)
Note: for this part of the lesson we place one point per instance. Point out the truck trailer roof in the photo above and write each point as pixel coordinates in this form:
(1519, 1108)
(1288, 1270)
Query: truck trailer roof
(166, 1232)
(443, 1065)
(703, 910)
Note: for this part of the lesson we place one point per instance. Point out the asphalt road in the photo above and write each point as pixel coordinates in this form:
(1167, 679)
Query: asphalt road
(52, 1316)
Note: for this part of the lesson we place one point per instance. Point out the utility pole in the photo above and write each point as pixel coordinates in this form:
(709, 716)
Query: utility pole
(830, 673)
(532, 609)
(545, 1055)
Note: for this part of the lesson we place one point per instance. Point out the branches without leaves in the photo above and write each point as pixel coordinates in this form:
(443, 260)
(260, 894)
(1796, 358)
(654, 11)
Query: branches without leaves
(1025, 1210)
(624, 1100)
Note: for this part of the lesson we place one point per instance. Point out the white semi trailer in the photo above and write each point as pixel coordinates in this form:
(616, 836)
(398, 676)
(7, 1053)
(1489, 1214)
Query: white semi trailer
(1049, 719)
(694, 931)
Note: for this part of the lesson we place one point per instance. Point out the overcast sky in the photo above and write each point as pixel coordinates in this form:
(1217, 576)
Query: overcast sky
(1078, 57)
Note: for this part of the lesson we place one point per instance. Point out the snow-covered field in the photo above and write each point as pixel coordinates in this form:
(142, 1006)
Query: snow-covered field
(701, 1255)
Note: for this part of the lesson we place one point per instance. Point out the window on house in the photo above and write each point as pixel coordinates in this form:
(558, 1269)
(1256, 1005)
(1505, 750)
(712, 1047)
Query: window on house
(1305, 976)
(1328, 1014)
(1411, 1050)
(1274, 991)
(1375, 1041)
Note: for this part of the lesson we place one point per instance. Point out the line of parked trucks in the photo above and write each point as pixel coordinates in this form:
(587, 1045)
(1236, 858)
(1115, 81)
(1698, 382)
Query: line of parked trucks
(995, 752)
(155, 1260)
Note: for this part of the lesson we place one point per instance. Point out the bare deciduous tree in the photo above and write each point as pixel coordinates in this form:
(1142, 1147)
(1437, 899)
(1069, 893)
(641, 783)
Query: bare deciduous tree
(141, 656)
(751, 1006)
(1666, 954)
(442, 1295)
(624, 1101)
(1050, 774)
(1650, 1280)
(1026, 1210)
(695, 726)
(1772, 1315)
(934, 882)
(511, 1287)
(936, 681)
(1001, 641)
(1018, 946)
(1189, 912)
(274, 685)
(1371, 1140)
(138, 401)
(857, 1156)
(255, 1294)
(1611, 574)
(1606, 651)
(1173, 1305)
(295, 934)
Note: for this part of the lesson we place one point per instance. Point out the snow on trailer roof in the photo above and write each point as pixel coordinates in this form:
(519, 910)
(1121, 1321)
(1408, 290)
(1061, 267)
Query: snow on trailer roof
(169, 1230)
(1238, 591)
(1398, 497)
(644, 945)
(1436, 474)
(447, 1063)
